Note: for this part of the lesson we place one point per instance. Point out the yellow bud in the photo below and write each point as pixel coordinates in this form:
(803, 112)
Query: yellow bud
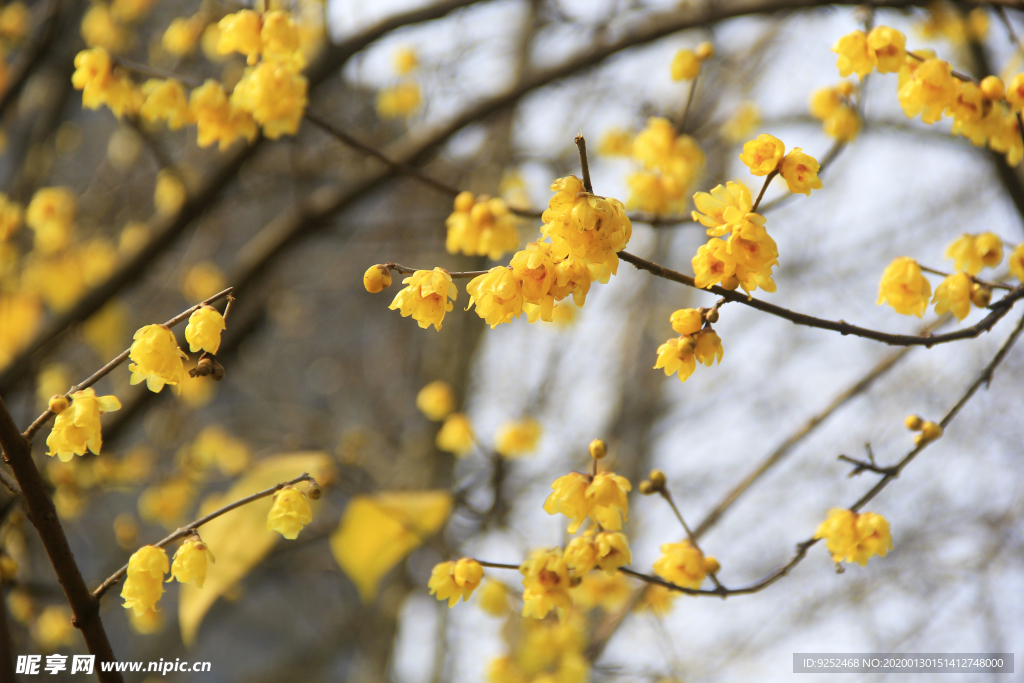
(58, 404)
(646, 488)
(705, 51)
(658, 479)
(597, 449)
(930, 431)
(731, 282)
(913, 422)
(314, 491)
(712, 315)
(464, 201)
(981, 295)
(711, 565)
(846, 88)
(992, 87)
(376, 278)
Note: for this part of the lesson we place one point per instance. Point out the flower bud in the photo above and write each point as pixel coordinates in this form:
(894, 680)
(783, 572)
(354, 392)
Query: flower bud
(597, 449)
(58, 404)
(731, 282)
(930, 431)
(981, 295)
(712, 315)
(913, 422)
(846, 88)
(658, 479)
(646, 488)
(705, 51)
(992, 87)
(313, 492)
(376, 278)
(711, 565)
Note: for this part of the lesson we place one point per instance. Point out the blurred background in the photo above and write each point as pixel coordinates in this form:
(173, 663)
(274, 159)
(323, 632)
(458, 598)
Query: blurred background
(487, 96)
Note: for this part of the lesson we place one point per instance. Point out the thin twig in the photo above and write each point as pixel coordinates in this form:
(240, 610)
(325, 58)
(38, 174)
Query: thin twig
(985, 283)
(689, 103)
(956, 74)
(667, 495)
(997, 310)
(189, 528)
(767, 181)
(456, 275)
(581, 145)
(40, 421)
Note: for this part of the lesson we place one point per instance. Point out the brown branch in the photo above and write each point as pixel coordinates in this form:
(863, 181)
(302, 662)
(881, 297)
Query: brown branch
(581, 145)
(189, 528)
(986, 283)
(760, 195)
(456, 275)
(997, 311)
(41, 512)
(40, 421)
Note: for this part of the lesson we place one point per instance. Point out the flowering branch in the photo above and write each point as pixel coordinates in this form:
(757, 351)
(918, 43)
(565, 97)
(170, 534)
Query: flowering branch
(189, 529)
(986, 283)
(456, 275)
(997, 311)
(40, 421)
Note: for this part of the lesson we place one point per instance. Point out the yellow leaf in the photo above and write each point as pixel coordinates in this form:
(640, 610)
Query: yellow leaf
(239, 539)
(377, 532)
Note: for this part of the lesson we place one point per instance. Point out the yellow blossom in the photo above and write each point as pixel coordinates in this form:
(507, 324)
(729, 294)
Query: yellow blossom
(493, 598)
(927, 89)
(855, 55)
(240, 32)
(1015, 92)
(1016, 262)
(754, 253)
(607, 498)
(15, 21)
(545, 583)
(800, 171)
(10, 217)
(456, 435)
(609, 591)
(888, 49)
(723, 205)
(426, 297)
(685, 66)
(377, 278)
(992, 88)
(398, 101)
(687, 321)
(653, 193)
(100, 29)
(744, 120)
(100, 85)
(217, 119)
(707, 347)
(404, 60)
(51, 215)
(971, 253)
(954, 295)
(824, 102)
(166, 502)
(53, 628)
(713, 264)
(681, 564)
(204, 329)
(144, 585)
(190, 562)
(497, 295)
(215, 447)
(904, 287)
(763, 154)
(657, 599)
(165, 101)
(481, 226)
(968, 106)
(455, 579)
(290, 513)
(855, 537)
(608, 550)
(131, 11)
(275, 95)
(581, 553)
(616, 142)
(436, 400)
(570, 499)
(517, 438)
(156, 358)
(677, 356)
(182, 36)
(202, 281)
(170, 193)
(843, 124)
(77, 428)
(281, 41)
(930, 431)
(677, 159)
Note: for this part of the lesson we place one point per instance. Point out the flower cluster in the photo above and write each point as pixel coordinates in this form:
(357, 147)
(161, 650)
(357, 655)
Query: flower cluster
(548, 651)
(985, 112)
(144, 585)
(456, 579)
(403, 98)
(686, 63)
(156, 358)
(684, 564)
(671, 164)
(834, 107)
(481, 226)
(698, 341)
(426, 297)
(855, 537)
(77, 427)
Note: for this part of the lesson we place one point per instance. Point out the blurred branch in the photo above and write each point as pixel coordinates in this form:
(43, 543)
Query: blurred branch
(998, 310)
(190, 528)
(34, 428)
(41, 512)
(31, 55)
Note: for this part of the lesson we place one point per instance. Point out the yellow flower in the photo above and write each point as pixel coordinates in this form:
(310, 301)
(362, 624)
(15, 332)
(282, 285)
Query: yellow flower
(992, 88)
(99, 85)
(275, 95)
(182, 36)
(570, 499)
(723, 205)
(954, 294)
(481, 226)
(855, 56)
(156, 358)
(763, 154)
(853, 537)
(426, 297)
(455, 579)
(398, 101)
(969, 104)
(190, 562)
(165, 101)
(612, 551)
(202, 281)
(131, 11)
(1015, 92)
(100, 29)
(404, 60)
(927, 89)
(290, 513)
(217, 119)
(904, 287)
(707, 347)
(215, 447)
(825, 102)
(843, 125)
(545, 583)
(240, 32)
(888, 48)
(51, 215)
(170, 193)
(581, 553)
(616, 142)
(204, 329)
(713, 264)
(744, 120)
(456, 435)
(653, 193)
(517, 438)
(77, 428)
(1016, 262)
(571, 277)
(280, 40)
(15, 21)
(53, 628)
(681, 564)
(687, 321)
(609, 591)
(497, 295)
(436, 400)
(971, 253)
(677, 356)
(144, 585)
(493, 598)
(685, 66)
(657, 599)
(800, 171)
(607, 498)
(754, 253)
(377, 278)
(166, 502)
